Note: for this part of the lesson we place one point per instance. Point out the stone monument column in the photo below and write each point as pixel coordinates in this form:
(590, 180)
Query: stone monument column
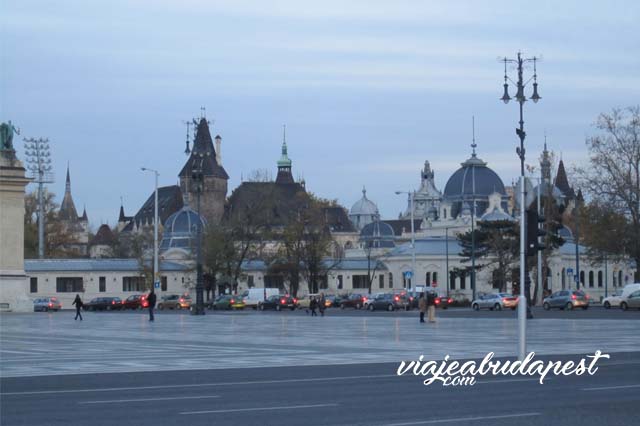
(13, 281)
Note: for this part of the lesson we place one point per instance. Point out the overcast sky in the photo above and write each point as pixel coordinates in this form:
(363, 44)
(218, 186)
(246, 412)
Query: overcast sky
(368, 90)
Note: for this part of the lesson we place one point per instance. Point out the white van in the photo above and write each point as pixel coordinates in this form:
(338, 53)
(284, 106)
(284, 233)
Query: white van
(616, 298)
(252, 296)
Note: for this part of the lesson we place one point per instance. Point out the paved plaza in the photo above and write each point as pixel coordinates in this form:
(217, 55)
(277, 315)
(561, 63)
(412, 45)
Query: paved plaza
(41, 344)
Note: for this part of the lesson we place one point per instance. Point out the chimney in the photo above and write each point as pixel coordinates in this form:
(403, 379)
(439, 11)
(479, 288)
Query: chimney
(219, 150)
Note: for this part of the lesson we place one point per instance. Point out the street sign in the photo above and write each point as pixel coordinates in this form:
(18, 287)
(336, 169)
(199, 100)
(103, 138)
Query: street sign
(569, 271)
(156, 284)
(408, 274)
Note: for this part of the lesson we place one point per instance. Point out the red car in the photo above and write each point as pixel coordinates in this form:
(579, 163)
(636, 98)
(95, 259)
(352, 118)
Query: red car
(443, 302)
(136, 301)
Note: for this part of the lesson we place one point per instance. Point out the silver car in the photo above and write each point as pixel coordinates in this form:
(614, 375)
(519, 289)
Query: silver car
(632, 301)
(46, 304)
(495, 301)
(566, 299)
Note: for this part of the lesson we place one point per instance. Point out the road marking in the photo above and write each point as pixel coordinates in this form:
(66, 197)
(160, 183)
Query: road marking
(464, 419)
(289, 407)
(255, 382)
(148, 399)
(611, 387)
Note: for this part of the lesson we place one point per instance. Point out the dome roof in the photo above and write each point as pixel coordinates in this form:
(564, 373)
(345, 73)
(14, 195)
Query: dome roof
(364, 206)
(378, 234)
(180, 228)
(496, 215)
(474, 178)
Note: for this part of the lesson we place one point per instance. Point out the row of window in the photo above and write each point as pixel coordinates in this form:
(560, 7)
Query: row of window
(76, 284)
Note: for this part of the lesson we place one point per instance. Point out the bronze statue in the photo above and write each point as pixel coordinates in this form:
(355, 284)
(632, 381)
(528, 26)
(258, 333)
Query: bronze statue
(6, 136)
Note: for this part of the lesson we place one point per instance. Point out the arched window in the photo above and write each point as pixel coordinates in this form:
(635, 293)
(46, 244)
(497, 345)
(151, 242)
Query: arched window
(452, 280)
(428, 279)
(435, 277)
(582, 278)
(599, 278)
(564, 278)
(620, 279)
(444, 213)
(463, 281)
(390, 280)
(590, 278)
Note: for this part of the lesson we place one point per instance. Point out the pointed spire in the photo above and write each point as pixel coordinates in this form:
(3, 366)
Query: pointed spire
(284, 163)
(68, 184)
(364, 192)
(84, 214)
(562, 183)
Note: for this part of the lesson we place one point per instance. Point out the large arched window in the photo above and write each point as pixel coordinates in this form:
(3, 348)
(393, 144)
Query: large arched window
(590, 278)
(435, 277)
(582, 278)
(620, 284)
(599, 278)
(428, 278)
(452, 280)
(564, 278)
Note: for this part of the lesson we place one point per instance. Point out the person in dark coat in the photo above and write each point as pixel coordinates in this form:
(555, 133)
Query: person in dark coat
(151, 298)
(78, 302)
(422, 306)
(322, 304)
(313, 304)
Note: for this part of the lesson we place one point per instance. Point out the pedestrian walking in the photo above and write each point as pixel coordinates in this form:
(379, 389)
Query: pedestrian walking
(78, 302)
(322, 304)
(431, 306)
(313, 304)
(152, 303)
(422, 306)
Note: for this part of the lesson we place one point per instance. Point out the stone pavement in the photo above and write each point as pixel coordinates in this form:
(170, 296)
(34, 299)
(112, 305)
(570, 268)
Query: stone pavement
(38, 344)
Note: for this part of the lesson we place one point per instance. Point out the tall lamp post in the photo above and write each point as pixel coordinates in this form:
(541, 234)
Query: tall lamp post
(156, 269)
(412, 195)
(39, 164)
(197, 177)
(523, 305)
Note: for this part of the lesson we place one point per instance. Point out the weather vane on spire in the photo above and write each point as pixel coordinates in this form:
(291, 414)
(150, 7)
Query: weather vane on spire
(187, 151)
(473, 131)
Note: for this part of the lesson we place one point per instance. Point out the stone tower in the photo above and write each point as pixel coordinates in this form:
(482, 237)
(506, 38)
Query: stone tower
(214, 191)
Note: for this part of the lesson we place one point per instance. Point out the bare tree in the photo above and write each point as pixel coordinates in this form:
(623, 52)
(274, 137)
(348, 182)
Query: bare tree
(612, 180)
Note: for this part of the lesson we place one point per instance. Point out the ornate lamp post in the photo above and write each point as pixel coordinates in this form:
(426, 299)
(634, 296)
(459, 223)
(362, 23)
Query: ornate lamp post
(39, 164)
(523, 304)
(197, 177)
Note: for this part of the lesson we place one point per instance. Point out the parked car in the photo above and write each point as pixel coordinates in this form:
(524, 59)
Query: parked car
(495, 301)
(46, 304)
(175, 301)
(443, 302)
(386, 301)
(615, 299)
(251, 297)
(566, 299)
(368, 298)
(631, 301)
(103, 304)
(227, 302)
(331, 301)
(279, 302)
(353, 300)
(135, 301)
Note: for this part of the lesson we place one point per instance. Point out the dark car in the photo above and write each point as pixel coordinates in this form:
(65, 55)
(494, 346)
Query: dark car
(278, 302)
(227, 302)
(103, 304)
(389, 302)
(136, 301)
(352, 301)
(332, 301)
(443, 302)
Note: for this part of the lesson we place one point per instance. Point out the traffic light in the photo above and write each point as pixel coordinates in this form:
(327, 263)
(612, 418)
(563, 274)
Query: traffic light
(534, 231)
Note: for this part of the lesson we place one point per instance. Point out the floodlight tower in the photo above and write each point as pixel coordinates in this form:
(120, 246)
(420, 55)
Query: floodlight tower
(39, 165)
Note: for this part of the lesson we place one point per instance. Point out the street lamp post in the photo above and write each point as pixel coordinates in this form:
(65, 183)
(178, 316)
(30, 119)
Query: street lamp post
(523, 305)
(413, 238)
(198, 178)
(156, 269)
(446, 244)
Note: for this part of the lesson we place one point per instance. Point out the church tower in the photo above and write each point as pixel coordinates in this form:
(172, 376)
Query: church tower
(284, 163)
(545, 165)
(214, 191)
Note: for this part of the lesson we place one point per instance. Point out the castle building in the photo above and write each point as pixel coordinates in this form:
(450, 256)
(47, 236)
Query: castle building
(76, 226)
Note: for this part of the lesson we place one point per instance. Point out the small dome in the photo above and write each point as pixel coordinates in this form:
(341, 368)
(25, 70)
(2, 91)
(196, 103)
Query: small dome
(364, 206)
(496, 215)
(378, 234)
(180, 228)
